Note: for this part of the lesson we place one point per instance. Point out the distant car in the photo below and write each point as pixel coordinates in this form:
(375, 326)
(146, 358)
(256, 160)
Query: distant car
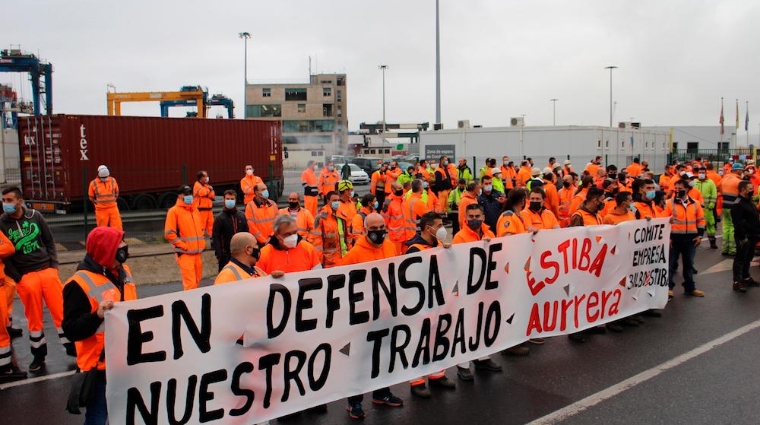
(366, 163)
(404, 165)
(358, 176)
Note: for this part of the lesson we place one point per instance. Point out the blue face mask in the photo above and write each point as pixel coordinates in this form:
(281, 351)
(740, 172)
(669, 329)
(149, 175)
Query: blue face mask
(375, 205)
(9, 208)
(335, 205)
(229, 204)
(650, 194)
(188, 199)
(265, 194)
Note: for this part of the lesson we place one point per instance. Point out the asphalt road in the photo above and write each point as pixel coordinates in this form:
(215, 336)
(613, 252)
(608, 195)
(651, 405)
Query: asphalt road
(670, 370)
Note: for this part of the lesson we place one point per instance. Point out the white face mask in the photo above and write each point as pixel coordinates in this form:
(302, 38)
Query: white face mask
(291, 241)
(441, 234)
(701, 176)
(692, 183)
(249, 172)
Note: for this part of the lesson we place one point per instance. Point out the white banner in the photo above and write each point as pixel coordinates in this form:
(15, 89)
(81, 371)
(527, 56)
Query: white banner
(314, 337)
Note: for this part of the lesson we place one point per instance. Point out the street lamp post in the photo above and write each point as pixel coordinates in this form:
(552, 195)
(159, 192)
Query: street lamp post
(554, 114)
(611, 67)
(437, 66)
(245, 36)
(383, 68)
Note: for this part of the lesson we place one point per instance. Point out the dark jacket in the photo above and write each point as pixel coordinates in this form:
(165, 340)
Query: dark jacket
(746, 222)
(226, 224)
(491, 207)
(35, 247)
(417, 239)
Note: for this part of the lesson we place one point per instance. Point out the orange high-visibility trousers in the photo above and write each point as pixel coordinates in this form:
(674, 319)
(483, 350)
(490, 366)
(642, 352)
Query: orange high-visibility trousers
(5, 339)
(9, 291)
(32, 289)
(311, 203)
(207, 221)
(191, 267)
(108, 217)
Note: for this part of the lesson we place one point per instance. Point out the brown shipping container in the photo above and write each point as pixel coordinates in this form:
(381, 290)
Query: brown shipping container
(149, 157)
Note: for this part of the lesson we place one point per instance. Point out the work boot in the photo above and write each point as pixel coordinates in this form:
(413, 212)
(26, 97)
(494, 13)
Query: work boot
(739, 287)
(442, 383)
(596, 330)
(517, 351)
(11, 373)
(37, 363)
(464, 374)
(420, 391)
(14, 332)
(387, 399)
(355, 411)
(713, 243)
(651, 313)
(488, 365)
(71, 349)
(748, 282)
(577, 337)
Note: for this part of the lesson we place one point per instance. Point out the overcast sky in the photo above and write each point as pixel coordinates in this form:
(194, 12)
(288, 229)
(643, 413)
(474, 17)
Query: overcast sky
(500, 58)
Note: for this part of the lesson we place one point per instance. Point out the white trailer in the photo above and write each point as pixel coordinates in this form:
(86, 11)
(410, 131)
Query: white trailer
(616, 146)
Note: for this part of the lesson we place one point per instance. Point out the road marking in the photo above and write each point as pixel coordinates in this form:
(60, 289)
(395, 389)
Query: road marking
(610, 392)
(37, 379)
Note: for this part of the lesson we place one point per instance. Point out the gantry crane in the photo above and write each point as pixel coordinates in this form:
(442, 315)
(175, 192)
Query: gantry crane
(215, 100)
(186, 93)
(14, 60)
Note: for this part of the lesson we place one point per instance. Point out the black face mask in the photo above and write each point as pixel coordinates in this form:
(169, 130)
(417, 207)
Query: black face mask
(565, 184)
(256, 253)
(680, 193)
(377, 236)
(474, 224)
(293, 205)
(613, 176)
(122, 254)
(535, 206)
(399, 192)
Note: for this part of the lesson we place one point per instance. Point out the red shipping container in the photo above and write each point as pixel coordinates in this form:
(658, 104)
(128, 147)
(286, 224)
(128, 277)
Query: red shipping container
(149, 157)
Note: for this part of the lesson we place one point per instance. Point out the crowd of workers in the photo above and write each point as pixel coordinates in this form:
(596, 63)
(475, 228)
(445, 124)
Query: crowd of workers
(402, 213)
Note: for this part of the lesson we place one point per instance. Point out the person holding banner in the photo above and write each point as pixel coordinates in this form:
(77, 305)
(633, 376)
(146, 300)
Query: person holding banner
(685, 236)
(537, 216)
(101, 280)
(476, 230)
(373, 245)
(242, 263)
(431, 235)
(588, 215)
(369, 205)
(393, 211)
(287, 251)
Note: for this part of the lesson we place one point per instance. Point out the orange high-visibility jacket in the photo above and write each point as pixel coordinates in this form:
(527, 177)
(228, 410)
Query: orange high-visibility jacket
(510, 223)
(390, 177)
(540, 221)
(688, 217)
(585, 218)
(247, 185)
(97, 287)
(467, 199)
(103, 194)
(377, 182)
(299, 259)
(203, 196)
(261, 219)
(183, 229)
(233, 273)
(551, 202)
(578, 201)
(357, 224)
(364, 251)
(730, 189)
(566, 196)
(309, 182)
(327, 181)
(414, 208)
(331, 237)
(304, 220)
(614, 217)
(508, 174)
(468, 235)
(394, 219)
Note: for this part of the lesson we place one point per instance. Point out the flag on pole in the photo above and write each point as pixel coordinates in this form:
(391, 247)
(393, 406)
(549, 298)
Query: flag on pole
(746, 119)
(737, 114)
(721, 120)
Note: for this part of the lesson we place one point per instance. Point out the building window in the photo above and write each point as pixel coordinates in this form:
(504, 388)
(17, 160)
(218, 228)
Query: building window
(598, 143)
(387, 151)
(692, 147)
(606, 143)
(341, 81)
(675, 146)
(307, 126)
(339, 95)
(327, 110)
(301, 108)
(372, 152)
(622, 143)
(326, 82)
(264, 111)
(295, 94)
(326, 91)
(314, 153)
(266, 92)
(340, 111)
(723, 147)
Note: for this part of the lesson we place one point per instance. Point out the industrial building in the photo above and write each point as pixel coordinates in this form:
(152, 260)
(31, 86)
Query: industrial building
(314, 115)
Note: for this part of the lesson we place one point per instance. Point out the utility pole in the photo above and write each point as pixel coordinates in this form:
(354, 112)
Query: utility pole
(611, 67)
(437, 66)
(554, 107)
(383, 68)
(245, 36)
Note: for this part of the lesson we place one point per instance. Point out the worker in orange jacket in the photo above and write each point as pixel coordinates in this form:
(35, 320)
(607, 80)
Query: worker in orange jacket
(372, 245)
(377, 183)
(634, 170)
(248, 184)
(551, 202)
(729, 188)
(508, 174)
(565, 198)
(34, 266)
(331, 235)
(310, 187)
(184, 230)
(510, 221)
(391, 175)
(369, 205)
(470, 196)
(8, 370)
(536, 216)
(580, 194)
(101, 280)
(393, 212)
(245, 254)
(287, 251)
(203, 200)
(328, 178)
(347, 208)
(304, 219)
(431, 235)
(686, 231)
(476, 230)
(103, 193)
(414, 208)
(622, 211)
(261, 212)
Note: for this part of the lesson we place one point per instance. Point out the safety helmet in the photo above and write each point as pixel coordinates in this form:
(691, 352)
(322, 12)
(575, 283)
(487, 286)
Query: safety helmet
(345, 185)
(103, 171)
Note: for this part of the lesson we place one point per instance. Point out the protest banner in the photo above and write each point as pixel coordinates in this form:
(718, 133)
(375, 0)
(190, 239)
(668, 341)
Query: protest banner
(254, 350)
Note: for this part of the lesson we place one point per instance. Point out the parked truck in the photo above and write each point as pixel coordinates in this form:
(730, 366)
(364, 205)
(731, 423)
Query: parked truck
(149, 157)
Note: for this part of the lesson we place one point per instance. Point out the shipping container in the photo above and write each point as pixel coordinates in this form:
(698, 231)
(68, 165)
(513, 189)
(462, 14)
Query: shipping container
(149, 157)
(617, 146)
